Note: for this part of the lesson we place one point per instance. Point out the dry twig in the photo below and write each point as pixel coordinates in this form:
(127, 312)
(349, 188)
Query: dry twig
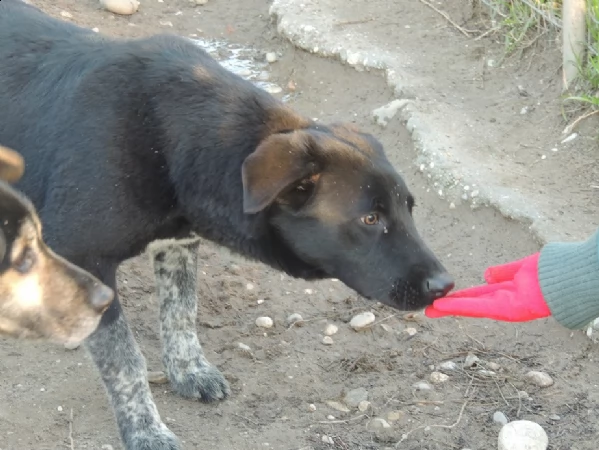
(448, 427)
(571, 127)
(438, 11)
(71, 441)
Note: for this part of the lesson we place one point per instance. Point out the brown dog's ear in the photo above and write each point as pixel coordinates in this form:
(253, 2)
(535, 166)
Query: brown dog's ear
(12, 165)
(280, 161)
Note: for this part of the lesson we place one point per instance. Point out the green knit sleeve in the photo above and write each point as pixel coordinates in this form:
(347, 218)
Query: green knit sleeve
(569, 280)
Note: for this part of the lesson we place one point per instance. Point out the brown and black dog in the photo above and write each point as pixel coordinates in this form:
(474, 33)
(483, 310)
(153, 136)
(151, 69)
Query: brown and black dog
(152, 139)
(42, 296)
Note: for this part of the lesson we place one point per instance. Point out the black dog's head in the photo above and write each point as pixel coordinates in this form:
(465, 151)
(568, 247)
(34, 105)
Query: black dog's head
(336, 201)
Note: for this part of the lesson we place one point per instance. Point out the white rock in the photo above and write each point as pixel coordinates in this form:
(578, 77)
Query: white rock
(199, 2)
(66, 14)
(471, 360)
(312, 407)
(364, 406)
(330, 417)
(271, 57)
(355, 396)
(338, 406)
(327, 439)
(541, 379)
(158, 377)
(260, 301)
(123, 7)
(59, 409)
(448, 365)
(273, 89)
(244, 349)
(264, 322)
(522, 435)
(385, 113)
(422, 386)
(410, 331)
(327, 340)
(438, 377)
(72, 345)
(394, 416)
(493, 366)
(499, 417)
(570, 138)
(295, 319)
(362, 321)
(378, 424)
(330, 329)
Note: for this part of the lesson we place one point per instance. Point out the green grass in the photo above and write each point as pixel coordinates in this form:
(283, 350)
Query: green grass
(522, 23)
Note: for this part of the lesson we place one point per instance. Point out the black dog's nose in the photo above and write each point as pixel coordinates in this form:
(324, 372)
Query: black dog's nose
(439, 285)
(100, 297)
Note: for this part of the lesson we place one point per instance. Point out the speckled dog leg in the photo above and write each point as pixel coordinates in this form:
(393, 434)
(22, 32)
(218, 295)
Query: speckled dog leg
(123, 370)
(175, 270)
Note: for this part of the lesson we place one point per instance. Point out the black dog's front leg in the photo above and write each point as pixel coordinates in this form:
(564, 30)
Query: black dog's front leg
(175, 270)
(123, 370)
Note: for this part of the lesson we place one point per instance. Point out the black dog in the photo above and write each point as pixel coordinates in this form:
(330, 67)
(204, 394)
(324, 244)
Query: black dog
(127, 142)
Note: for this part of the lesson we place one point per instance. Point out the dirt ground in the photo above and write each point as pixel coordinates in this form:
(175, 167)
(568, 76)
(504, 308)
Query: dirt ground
(53, 399)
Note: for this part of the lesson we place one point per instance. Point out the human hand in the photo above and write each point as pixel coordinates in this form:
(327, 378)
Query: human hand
(512, 294)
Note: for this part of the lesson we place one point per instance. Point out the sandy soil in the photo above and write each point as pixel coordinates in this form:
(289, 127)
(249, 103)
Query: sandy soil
(53, 399)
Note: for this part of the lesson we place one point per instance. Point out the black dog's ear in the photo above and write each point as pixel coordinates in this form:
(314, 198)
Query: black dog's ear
(280, 161)
(12, 165)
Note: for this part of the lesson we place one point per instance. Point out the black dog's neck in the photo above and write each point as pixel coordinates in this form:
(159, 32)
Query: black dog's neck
(210, 192)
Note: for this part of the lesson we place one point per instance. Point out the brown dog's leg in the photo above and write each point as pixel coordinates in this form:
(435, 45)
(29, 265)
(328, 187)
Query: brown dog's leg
(175, 270)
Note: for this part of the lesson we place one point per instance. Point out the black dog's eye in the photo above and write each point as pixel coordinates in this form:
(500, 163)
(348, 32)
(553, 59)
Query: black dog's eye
(370, 219)
(25, 261)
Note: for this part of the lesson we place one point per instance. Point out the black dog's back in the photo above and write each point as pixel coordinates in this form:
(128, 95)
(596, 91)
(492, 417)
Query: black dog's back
(61, 84)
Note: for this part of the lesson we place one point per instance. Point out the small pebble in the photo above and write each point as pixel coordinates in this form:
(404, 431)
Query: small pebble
(157, 377)
(448, 365)
(295, 319)
(260, 301)
(394, 416)
(330, 417)
(59, 409)
(66, 14)
(122, 7)
(264, 322)
(338, 406)
(452, 205)
(364, 406)
(471, 360)
(273, 89)
(541, 379)
(327, 439)
(312, 407)
(362, 321)
(522, 435)
(422, 386)
(438, 377)
(355, 396)
(554, 417)
(493, 366)
(499, 417)
(249, 287)
(244, 348)
(410, 331)
(330, 329)
(327, 340)
(271, 57)
(378, 424)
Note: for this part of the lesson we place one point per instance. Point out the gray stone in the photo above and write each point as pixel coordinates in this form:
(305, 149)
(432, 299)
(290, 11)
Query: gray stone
(355, 396)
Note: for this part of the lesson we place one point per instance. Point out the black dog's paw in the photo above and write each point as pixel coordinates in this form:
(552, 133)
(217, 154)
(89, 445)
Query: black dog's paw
(153, 439)
(199, 380)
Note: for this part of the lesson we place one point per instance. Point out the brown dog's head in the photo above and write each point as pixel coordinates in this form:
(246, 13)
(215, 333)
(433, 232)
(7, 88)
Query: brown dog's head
(337, 203)
(41, 294)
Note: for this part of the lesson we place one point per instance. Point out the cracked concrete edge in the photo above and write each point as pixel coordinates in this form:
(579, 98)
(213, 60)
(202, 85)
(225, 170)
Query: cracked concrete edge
(315, 36)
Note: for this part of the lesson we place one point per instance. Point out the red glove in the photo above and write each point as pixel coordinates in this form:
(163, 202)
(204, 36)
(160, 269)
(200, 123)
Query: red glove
(512, 294)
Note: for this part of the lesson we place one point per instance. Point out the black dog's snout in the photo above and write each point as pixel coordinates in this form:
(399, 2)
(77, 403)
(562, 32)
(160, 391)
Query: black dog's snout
(438, 285)
(100, 297)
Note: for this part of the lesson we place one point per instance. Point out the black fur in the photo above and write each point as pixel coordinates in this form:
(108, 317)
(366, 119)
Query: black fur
(127, 142)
